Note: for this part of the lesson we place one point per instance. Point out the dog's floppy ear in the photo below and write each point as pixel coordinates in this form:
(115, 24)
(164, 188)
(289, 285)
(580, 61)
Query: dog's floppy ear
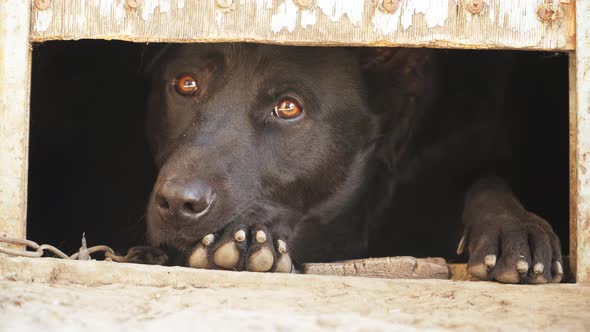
(151, 54)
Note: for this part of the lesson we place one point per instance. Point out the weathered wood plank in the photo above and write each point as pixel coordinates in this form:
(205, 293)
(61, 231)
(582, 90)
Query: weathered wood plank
(14, 116)
(580, 143)
(513, 24)
(384, 267)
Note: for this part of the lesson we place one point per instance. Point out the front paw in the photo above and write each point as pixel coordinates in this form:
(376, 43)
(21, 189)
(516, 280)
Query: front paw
(514, 249)
(243, 249)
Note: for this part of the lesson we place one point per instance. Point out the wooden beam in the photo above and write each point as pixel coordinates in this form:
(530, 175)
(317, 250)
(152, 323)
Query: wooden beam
(15, 64)
(580, 143)
(494, 24)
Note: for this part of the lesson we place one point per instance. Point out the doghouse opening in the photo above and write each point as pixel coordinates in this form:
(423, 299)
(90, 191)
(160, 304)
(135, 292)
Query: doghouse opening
(90, 169)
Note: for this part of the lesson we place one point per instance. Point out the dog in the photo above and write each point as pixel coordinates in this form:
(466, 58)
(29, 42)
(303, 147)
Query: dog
(270, 156)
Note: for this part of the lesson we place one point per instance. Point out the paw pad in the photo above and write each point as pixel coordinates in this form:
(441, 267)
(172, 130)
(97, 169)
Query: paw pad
(240, 249)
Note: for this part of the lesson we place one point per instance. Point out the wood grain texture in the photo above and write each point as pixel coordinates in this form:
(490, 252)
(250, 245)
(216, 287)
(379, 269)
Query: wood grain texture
(504, 24)
(580, 143)
(15, 65)
(385, 267)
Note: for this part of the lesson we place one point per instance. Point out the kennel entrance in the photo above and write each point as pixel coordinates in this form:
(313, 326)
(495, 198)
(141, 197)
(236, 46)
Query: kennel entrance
(534, 26)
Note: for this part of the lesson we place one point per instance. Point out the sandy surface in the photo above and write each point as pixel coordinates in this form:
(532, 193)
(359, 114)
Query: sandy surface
(91, 296)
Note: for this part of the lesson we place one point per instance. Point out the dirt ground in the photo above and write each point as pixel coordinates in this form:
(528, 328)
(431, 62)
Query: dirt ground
(56, 295)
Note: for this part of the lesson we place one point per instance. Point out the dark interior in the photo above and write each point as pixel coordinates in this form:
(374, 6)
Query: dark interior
(90, 170)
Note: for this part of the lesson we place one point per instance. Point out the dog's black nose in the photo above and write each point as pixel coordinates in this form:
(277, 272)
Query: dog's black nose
(186, 201)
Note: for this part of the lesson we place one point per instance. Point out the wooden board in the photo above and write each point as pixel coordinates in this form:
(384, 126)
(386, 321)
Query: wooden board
(385, 267)
(15, 65)
(580, 145)
(505, 24)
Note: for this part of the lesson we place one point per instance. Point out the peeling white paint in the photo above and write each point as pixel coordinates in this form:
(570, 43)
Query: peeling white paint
(81, 18)
(335, 9)
(286, 17)
(308, 17)
(43, 19)
(218, 18)
(104, 7)
(164, 6)
(120, 12)
(262, 5)
(148, 8)
(518, 15)
(180, 4)
(435, 12)
(384, 22)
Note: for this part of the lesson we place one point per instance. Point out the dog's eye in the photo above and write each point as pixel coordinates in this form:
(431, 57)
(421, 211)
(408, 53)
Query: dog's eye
(186, 85)
(287, 109)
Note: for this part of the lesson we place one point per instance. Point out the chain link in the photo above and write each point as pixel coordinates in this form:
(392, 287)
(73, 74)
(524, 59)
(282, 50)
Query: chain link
(39, 250)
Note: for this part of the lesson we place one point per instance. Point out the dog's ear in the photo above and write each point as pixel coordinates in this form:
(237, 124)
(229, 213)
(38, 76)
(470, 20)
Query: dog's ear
(409, 69)
(151, 54)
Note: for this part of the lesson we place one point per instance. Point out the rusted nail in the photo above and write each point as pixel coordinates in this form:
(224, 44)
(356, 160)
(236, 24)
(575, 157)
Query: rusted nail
(224, 3)
(546, 12)
(133, 3)
(42, 4)
(390, 6)
(475, 7)
(305, 4)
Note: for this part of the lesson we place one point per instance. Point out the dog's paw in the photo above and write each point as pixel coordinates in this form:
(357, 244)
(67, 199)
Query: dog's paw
(511, 249)
(243, 249)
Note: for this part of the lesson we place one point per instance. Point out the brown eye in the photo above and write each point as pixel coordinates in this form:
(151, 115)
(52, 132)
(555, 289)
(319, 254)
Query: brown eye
(186, 85)
(287, 109)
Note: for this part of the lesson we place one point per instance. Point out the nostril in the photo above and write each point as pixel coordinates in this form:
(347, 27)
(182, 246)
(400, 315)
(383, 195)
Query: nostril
(193, 207)
(162, 202)
(183, 201)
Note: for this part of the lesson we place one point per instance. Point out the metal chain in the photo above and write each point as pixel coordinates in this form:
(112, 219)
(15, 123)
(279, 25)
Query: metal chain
(39, 250)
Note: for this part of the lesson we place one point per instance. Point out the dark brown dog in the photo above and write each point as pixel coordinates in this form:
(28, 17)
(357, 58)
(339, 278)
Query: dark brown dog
(272, 154)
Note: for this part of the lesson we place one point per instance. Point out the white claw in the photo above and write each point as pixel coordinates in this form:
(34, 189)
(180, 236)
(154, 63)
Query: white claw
(208, 239)
(260, 237)
(558, 272)
(490, 261)
(281, 246)
(461, 245)
(522, 266)
(539, 267)
(240, 236)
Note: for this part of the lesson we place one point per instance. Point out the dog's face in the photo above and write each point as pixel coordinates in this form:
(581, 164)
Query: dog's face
(255, 134)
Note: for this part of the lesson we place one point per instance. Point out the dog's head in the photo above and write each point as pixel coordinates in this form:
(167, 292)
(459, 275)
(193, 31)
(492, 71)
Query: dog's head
(254, 134)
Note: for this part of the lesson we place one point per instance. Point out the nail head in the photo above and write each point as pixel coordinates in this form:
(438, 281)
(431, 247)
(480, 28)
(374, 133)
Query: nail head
(133, 3)
(475, 7)
(390, 6)
(305, 4)
(42, 4)
(224, 3)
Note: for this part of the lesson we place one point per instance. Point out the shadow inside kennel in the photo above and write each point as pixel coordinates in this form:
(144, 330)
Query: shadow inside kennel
(90, 169)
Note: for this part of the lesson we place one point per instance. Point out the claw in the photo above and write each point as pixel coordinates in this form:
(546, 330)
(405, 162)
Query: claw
(558, 275)
(490, 261)
(281, 246)
(240, 236)
(522, 266)
(208, 239)
(227, 256)
(260, 237)
(539, 267)
(461, 245)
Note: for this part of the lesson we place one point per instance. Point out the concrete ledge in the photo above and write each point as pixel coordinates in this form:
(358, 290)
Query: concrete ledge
(52, 294)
